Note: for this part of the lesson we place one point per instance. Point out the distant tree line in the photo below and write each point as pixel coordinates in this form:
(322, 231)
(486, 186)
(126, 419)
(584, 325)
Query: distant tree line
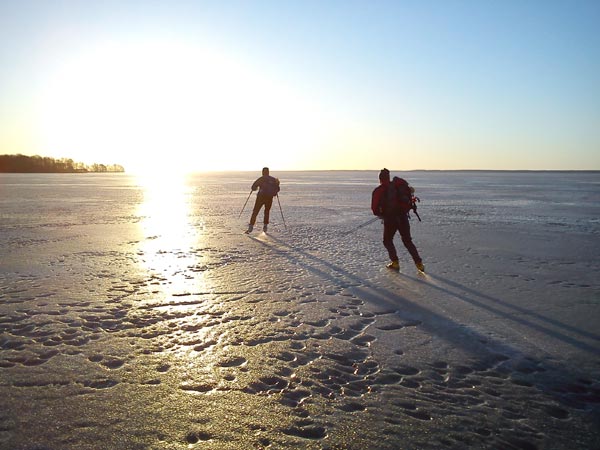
(44, 164)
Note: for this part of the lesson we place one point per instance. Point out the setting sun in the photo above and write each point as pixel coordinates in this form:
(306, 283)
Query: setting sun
(156, 105)
(215, 86)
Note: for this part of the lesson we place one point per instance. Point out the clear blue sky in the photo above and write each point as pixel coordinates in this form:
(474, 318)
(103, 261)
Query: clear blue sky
(303, 84)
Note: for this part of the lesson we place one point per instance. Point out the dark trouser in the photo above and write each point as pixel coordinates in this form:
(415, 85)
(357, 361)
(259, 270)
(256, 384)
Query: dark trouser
(261, 200)
(398, 223)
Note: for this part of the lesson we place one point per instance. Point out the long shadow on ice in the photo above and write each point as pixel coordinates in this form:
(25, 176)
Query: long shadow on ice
(469, 295)
(491, 358)
(383, 298)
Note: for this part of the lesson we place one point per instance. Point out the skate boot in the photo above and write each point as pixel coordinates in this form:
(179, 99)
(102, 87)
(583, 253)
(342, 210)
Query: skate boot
(394, 265)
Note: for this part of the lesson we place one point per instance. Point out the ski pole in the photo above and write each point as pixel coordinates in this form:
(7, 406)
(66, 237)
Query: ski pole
(281, 210)
(243, 207)
(361, 225)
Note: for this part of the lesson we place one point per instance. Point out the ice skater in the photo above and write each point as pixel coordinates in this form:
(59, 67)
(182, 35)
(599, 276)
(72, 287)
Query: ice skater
(392, 202)
(268, 187)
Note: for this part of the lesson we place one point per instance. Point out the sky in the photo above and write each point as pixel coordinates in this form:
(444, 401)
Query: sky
(303, 85)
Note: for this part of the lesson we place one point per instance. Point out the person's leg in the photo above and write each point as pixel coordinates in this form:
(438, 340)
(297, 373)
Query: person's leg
(268, 203)
(389, 229)
(404, 228)
(257, 205)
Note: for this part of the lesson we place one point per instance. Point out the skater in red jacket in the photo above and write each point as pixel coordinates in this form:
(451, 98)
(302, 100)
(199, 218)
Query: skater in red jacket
(392, 201)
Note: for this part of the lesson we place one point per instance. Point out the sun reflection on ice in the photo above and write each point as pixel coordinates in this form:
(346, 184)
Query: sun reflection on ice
(180, 301)
(170, 241)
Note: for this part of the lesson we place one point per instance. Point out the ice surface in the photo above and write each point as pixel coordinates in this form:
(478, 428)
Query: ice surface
(135, 313)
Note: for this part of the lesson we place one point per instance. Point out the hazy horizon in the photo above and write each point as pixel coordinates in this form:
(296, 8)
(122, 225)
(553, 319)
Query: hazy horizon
(257, 170)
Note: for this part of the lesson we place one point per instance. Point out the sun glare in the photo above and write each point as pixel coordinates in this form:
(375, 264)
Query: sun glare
(168, 237)
(160, 105)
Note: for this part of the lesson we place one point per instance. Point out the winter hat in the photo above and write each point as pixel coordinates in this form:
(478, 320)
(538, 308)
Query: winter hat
(384, 175)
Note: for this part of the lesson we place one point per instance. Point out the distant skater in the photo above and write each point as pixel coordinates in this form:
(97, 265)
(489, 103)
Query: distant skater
(392, 201)
(268, 187)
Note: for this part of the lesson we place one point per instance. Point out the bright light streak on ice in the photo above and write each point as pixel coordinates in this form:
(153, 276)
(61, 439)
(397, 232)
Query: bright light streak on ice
(169, 239)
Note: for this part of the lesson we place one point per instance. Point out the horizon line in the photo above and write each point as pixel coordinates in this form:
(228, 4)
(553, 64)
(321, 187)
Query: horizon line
(399, 170)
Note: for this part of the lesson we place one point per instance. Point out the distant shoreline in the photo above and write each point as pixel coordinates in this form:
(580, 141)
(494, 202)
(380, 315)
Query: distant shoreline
(74, 172)
(19, 163)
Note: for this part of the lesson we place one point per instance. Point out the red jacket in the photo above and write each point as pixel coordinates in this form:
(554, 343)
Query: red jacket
(391, 198)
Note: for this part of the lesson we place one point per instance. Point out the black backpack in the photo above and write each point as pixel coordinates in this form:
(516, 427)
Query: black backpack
(270, 186)
(406, 199)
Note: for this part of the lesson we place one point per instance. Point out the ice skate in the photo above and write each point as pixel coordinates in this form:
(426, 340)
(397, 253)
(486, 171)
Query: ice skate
(394, 265)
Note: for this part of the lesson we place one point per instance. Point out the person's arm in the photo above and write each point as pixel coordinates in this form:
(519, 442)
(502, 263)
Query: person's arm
(256, 184)
(376, 202)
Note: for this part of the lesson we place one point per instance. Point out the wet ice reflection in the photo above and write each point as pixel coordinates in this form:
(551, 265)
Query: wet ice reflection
(169, 238)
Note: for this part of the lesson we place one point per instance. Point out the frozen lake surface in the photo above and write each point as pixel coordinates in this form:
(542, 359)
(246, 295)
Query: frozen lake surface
(135, 314)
